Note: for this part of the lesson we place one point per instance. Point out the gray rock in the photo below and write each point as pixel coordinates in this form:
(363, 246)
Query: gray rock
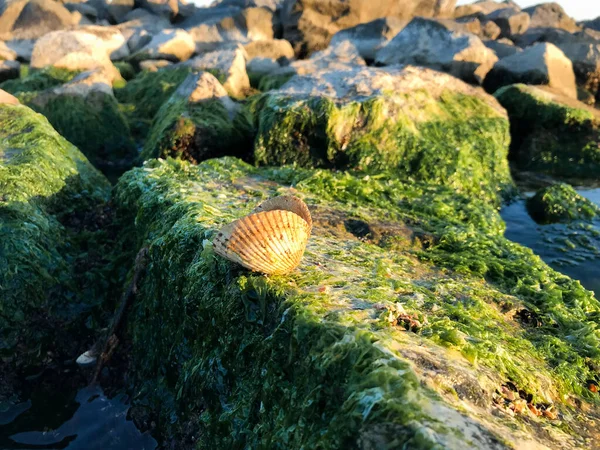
(31, 19)
(512, 23)
(114, 10)
(114, 41)
(310, 24)
(272, 49)
(73, 50)
(593, 24)
(503, 47)
(82, 85)
(489, 30)
(214, 28)
(9, 70)
(202, 87)
(483, 8)
(433, 43)
(542, 64)
(154, 65)
(262, 66)
(271, 5)
(22, 47)
(173, 45)
(139, 39)
(85, 9)
(551, 15)
(342, 56)
(370, 37)
(6, 53)
(230, 65)
(164, 8)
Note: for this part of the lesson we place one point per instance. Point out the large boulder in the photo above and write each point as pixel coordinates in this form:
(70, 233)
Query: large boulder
(31, 19)
(512, 23)
(551, 15)
(114, 41)
(414, 123)
(172, 45)
(370, 37)
(412, 322)
(273, 49)
(85, 112)
(542, 64)
(551, 133)
(439, 45)
(74, 51)
(228, 65)
(199, 122)
(46, 183)
(213, 28)
(503, 47)
(310, 24)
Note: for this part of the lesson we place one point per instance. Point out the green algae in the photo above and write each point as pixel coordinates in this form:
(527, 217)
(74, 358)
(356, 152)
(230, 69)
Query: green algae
(455, 140)
(95, 124)
(560, 203)
(45, 184)
(272, 82)
(558, 139)
(143, 96)
(198, 131)
(307, 360)
(126, 70)
(38, 80)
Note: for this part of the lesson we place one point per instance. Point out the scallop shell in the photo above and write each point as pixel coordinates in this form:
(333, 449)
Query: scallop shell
(271, 239)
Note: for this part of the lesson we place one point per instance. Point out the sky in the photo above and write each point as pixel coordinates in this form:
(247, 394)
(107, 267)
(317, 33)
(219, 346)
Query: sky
(578, 9)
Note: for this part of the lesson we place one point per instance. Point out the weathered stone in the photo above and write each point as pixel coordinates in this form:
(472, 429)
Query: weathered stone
(272, 49)
(31, 19)
(310, 24)
(404, 121)
(489, 30)
(139, 39)
(72, 50)
(173, 45)
(542, 64)
(9, 70)
(593, 24)
(262, 66)
(483, 8)
(8, 99)
(85, 9)
(214, 28)
(512, 23)
(199, 122)
(552, 133)
(84, 84)
(370, 37)
(116, 10)
(22, 48)
(436, 44)
(7, 54)
(229, 67)
(114, 41)
(163, 8)
(551, 15)
(469, 24)
(503, 47)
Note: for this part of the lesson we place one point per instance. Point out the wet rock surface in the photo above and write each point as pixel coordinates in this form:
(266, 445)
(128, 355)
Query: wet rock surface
(448, 294)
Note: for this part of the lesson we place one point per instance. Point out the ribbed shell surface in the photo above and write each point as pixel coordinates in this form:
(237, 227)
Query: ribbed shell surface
(270, 241)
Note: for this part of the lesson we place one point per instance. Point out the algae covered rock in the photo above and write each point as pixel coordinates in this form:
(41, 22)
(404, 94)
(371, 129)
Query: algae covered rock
(198, 122)
(45, 183)
(143, 96)
(411, 321)
(561, 203)
(84, 111)
(411, 122)
(551, 133)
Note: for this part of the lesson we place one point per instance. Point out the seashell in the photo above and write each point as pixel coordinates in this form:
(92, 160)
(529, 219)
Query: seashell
(271, 239)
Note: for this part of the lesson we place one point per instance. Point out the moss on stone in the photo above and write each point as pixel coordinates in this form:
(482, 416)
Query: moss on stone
(313, 359)
(126, 70)
(454, 139)
(550, 135)
(45, 182)
(561, 203)
(38, 80)
(95, 124)
(198, 131)
(145, 94)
